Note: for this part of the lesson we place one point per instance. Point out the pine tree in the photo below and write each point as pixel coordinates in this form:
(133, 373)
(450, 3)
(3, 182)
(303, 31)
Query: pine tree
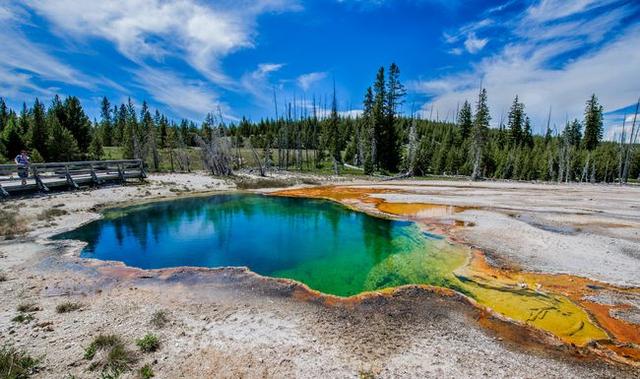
(149, 136)
(39, 129)
(527, 134)
(120, 124)
(378, 115)
(4, 114)
(62, 146)
(368, 133)
(77, 122)
(106, 123)
(390, 141)
(593, 127)
(465, 120)
(11, 138)
(515, 122)
(573, 133)
(162, 125)
(130, 141)
(24, 123)
(96, 151)
(479, 133)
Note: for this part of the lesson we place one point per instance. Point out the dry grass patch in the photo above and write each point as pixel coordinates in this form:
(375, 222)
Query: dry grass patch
(246, 183)
(159, 319)
(52, 213)
(68, 306)
(10, 225)
(28, 307)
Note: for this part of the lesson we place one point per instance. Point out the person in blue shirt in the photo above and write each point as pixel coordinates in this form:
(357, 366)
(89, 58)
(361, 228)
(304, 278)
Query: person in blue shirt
(22, 160)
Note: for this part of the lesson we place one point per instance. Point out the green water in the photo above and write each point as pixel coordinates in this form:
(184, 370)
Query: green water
(328, 247)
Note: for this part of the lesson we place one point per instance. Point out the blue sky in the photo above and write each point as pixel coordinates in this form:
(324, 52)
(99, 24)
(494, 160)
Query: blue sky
(190, 57)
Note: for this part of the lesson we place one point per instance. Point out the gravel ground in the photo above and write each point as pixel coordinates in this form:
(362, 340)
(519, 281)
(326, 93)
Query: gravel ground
(233, 323)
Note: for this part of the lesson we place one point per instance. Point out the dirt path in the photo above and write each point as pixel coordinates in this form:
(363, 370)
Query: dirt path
(232, 323)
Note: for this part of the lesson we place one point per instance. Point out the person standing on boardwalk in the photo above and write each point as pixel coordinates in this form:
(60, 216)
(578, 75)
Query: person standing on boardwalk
(22, 160)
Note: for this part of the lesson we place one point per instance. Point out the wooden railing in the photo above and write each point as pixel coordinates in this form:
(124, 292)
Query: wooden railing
(45, 176)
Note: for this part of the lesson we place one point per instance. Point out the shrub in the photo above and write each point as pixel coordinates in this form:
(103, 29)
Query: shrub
(146, 372)
(148, 343)
(22, 318)
(15, 364)
(68, 306)
(28, 307)
(159, 319)
(3, 277)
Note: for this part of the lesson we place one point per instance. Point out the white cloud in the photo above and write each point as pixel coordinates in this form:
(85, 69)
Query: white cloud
(305, 81)
(185, 97)
(148, 32)
(153, 29)
(533, 64)
(473, 44)
(548, 10)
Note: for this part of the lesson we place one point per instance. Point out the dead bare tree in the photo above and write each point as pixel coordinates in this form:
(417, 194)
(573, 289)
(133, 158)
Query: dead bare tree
(412, 148)
(216, 153)
(631, 145)
(261, 166)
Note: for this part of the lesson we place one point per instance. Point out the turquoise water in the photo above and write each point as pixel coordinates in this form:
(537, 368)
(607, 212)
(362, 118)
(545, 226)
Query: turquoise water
(328, 247)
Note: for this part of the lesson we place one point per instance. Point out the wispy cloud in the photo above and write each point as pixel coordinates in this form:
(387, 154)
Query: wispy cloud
(305, 81)
(474, 44)
(27, 60)
(193, 98)
(257, 83)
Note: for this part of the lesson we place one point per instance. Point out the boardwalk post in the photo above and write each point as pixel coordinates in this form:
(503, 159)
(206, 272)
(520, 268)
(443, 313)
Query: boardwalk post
(39, 182)
(94, 177)
(121, 172)
(143, 172)
(70, 181)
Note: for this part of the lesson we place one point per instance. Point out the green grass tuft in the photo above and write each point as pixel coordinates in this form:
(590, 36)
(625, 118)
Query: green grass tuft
(16, 364)
(117, 359)
(148, 343)
(22, 318)
(146, 372)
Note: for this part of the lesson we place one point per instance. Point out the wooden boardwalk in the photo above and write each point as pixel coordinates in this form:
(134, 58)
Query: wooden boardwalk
(48, 176)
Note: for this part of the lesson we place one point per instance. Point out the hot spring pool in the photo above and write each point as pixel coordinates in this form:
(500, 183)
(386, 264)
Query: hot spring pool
(328, 247)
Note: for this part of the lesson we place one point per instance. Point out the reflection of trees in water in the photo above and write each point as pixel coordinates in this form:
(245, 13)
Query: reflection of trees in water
(246, 217)
(377, 237)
